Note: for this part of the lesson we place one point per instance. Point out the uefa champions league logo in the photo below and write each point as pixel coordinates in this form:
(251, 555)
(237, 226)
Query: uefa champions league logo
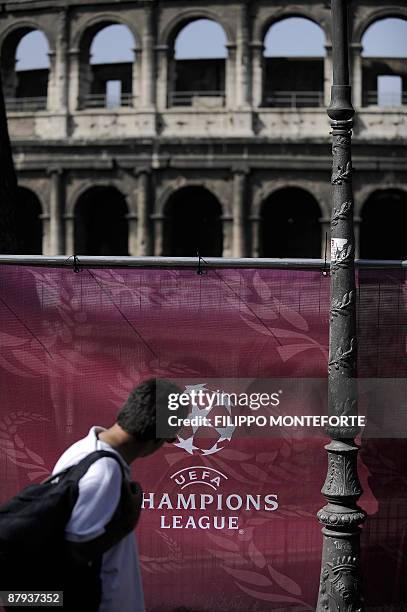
(190, 443)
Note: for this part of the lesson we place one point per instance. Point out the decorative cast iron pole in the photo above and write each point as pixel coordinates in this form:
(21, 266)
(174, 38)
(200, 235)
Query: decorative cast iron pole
(340, 585)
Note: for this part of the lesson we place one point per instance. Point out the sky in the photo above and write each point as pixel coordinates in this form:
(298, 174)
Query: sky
(291, 37)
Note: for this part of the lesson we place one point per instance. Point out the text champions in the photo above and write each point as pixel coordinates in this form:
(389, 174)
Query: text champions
(206, 501)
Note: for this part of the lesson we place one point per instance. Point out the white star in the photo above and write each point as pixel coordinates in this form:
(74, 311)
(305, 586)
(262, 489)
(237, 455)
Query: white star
(214, 449)
(189, 388)
(186, 444)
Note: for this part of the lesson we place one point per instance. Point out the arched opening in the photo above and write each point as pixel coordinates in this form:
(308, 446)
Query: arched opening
(383, 226)
(101, 226)
(25, 70)
(197, 69)
(293, 70)
(193, 224)
(106, 66)
(28, 222)
(384, 66)
(290, 225)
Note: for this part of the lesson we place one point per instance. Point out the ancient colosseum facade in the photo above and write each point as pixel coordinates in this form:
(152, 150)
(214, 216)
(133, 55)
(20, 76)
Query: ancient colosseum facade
(226, 156)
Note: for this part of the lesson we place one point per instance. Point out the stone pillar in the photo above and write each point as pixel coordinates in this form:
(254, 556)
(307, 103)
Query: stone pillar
(158, 220)
(163, 85)
(58, 77)
(52, 95)
(243, 68)
(255, 235)
(327, 74)
(69, 234)
(143, 211)
(257, 50)
(74, 85)
(227, 229)
(8, 71)
(136, 84)
(356, 73)
(147, 83)
(239, 211)
(56, 233)
(45, 234)
(132, 235)
(230, 77)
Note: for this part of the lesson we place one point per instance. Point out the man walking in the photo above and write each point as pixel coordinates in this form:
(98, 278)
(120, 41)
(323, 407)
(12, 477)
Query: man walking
(103, 573)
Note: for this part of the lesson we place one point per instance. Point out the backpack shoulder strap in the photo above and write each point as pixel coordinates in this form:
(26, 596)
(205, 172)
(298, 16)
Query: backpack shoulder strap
(79, 469)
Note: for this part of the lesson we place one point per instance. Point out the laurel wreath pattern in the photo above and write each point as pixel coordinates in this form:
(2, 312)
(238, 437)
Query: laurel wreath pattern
(242, 560)
(13, 447)
(263, 308)
(172, 561)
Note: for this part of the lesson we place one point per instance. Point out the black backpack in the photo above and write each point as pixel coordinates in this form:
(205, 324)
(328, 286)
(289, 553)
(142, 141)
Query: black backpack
(32, 543)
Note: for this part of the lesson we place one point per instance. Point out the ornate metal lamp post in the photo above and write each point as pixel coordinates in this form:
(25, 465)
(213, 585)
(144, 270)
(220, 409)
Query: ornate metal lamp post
(340, 588)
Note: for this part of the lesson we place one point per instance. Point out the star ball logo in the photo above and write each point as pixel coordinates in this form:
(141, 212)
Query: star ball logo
(208, 507)
(191, 441)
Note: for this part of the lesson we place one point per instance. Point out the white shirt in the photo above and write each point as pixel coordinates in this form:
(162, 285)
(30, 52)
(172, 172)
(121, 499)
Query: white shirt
(99, 494)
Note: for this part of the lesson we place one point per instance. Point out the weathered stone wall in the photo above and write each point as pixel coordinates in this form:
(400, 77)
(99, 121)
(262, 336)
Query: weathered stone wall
(236, 147)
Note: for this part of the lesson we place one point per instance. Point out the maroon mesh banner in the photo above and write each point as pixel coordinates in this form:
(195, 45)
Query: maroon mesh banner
(74, 344)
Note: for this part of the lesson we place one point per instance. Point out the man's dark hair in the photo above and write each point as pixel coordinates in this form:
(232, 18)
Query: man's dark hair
(147, 403)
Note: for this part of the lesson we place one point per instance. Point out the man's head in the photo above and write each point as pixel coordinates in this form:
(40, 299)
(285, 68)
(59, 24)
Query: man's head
(147, 403)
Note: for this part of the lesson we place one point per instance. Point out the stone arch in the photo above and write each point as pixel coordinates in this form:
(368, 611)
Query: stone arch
(100, 221)
(293, 79)
(29, 212)
(383, 234)
(384, 71)
(171, 30)
(28, 25)
(199, 81)
(95, 79)
(182, 182)
(75, 193)
(376, 15)
(194, 48)
(23, 89)
(98, 22)
(262, 27)
(192, 223)
(268, 189)
(290, 224)
(362, 194)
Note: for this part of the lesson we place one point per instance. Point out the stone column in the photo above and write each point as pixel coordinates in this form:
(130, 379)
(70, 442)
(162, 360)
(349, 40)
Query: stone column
(69, 234)
(74, 85)
(147, 82)
(158, 220)
(227, 229)
(143, 211)
(257, 50)
(56, 206)
(136, 83)
(243, 68)
(255, 235)
(45, 234)
(356, 73)
(327, 74)
(239, 211)
(52, 95)
(230, 77)
(58, 77)
(163, 86)
(132, 235)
